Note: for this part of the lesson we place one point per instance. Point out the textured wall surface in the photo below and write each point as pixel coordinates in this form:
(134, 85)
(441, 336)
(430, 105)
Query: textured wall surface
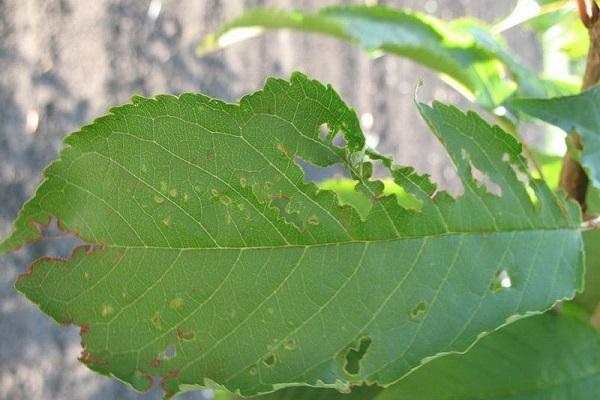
(64, 62)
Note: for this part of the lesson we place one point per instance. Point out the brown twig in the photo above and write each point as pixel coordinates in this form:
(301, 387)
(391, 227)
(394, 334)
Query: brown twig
(573, 179)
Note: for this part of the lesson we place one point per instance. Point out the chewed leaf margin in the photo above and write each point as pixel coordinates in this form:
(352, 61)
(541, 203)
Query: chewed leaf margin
(445, 216)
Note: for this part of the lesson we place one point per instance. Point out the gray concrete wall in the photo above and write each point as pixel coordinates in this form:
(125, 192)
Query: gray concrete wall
(64, 62)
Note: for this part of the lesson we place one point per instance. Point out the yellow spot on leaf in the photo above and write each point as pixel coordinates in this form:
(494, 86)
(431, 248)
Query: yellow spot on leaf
(314, 220)
(156, 320)
(159, 199)
(176, 303)
(282, 149)
(186, 197)
(173, 192)
(106, 310)
(289, 345)
(167, 221)
(225, 200)
(243, 182)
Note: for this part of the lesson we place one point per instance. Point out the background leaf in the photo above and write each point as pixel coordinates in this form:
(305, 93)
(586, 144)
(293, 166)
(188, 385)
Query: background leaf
(210, 261)
(579, 113)
(466, 51)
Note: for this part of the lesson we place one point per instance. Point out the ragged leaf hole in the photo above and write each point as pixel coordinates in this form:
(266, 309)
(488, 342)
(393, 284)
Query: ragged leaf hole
(169, 353)
(501, 281)
(354, 356)
(270, 360)
(483, 179)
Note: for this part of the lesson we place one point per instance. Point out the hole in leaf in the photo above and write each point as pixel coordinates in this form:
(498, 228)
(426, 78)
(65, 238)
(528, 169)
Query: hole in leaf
(501, 281)
(348, 195)
(484, 179)
(354, 356)
(314, 173)
(417, 312)
(57, 241)
(324, 132)
(287, 209)
(168, 354)
(390, 187)
(270, 360)
(524, 179)
(481, 177)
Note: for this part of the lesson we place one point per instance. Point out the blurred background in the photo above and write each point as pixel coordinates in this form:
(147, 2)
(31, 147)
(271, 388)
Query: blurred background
(65, 62)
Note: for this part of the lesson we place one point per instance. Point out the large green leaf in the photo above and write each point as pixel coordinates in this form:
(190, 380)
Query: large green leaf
(590, 297)
(210, 261)
(545, 357)
(580, 113)
(466, 51)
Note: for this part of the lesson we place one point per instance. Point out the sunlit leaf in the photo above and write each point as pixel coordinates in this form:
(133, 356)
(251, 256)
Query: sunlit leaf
(209, 261)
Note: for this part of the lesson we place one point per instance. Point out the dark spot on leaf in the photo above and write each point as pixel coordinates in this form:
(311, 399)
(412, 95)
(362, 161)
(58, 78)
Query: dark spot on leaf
(163, 381)
(155, 363)
(417, 312)
(87, 358)
(270, 360)
(185, 336)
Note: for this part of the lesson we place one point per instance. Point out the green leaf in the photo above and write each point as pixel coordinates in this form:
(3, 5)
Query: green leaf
(535, 12)
(466, 52)
(210, 261)
(580, 113)
(549, 356)
(590, 297)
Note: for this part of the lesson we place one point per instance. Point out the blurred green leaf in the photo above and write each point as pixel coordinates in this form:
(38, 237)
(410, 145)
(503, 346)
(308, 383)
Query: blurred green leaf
(466, 52)
(579, 113)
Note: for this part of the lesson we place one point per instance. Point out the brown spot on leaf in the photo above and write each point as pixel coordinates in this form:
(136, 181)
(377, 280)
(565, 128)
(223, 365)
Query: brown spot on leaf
(87, 358)
(281, 148)
(163, 380)
(185, 336)
(155, 363)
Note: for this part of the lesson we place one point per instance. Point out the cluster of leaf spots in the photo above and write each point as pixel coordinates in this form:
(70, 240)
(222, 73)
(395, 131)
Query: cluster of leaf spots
(213, 263)
(530, 359)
